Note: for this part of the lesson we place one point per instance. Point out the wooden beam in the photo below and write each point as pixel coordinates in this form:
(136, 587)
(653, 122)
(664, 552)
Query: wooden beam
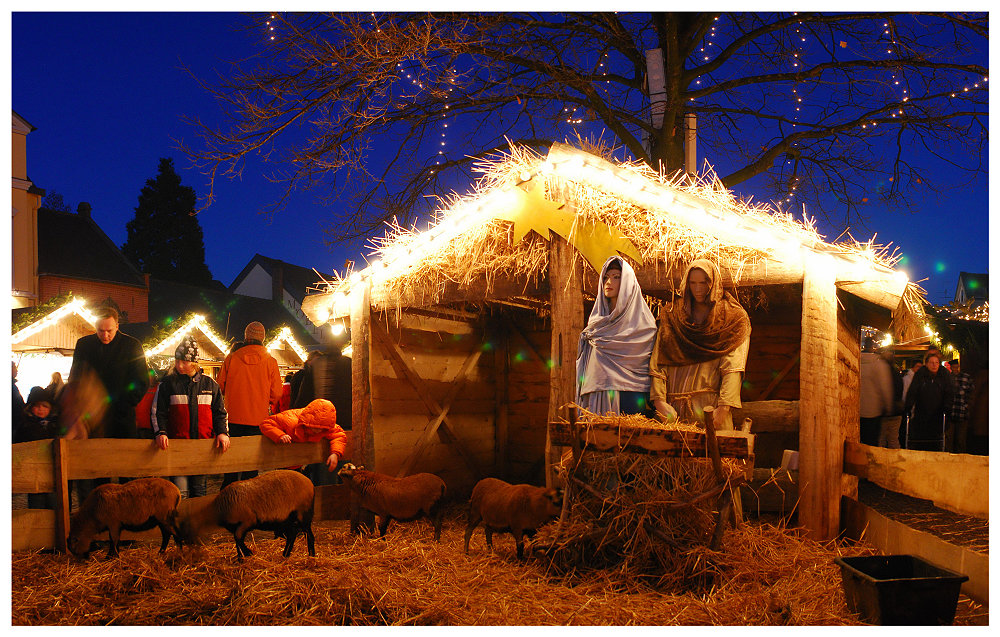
(821, 447)
(527, 341)
(769, 416)
(957, 482)
(362, 427)
(599, 436)
(104, 457)
(404, 372)
(566, 301)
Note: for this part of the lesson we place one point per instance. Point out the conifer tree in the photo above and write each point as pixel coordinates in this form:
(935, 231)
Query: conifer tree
(165, 238)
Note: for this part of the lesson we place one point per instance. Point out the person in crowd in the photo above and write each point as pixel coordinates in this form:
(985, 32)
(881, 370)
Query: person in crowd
(612, 366)
(250, 383)
(56, 385)
(189, 405)
(16, 403)
(312, 423)
(956, 433)
(39, 423)
(285, 402)
(927, 400)
(327, 375)
(144, 410)
(907, 380)
(979, 410)
(889, 430)
(876, 393)
(701, 349)
(118, 362)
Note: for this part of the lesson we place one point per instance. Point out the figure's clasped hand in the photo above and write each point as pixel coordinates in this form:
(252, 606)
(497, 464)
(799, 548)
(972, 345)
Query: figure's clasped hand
(664, 411)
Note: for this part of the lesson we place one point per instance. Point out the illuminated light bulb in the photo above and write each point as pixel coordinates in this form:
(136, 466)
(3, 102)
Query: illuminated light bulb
(337, 329)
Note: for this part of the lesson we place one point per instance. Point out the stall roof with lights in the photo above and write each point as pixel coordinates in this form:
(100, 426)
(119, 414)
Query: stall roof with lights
(58, 330)
(481, 247)
(285, 349)
(211, 347)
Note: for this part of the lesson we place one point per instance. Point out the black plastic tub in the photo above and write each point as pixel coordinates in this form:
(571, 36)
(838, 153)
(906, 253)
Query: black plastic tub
(900, 590)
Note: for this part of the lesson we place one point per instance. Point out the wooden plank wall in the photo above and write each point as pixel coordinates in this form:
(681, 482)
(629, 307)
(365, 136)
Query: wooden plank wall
(528, 401)
(774, 347)
(435, 349)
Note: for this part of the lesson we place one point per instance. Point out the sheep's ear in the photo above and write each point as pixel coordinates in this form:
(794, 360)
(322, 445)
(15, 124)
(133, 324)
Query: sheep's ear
(361, 467)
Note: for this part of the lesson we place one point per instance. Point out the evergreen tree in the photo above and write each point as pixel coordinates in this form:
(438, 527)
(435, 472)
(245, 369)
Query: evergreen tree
(54, 201)
(165, 238)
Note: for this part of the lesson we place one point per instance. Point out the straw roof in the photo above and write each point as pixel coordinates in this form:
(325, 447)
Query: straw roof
(473, 244)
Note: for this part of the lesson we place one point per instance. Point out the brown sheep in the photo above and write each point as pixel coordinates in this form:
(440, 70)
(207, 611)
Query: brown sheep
(402, 499)
(137, 505)
(279, 501)
(515, 508)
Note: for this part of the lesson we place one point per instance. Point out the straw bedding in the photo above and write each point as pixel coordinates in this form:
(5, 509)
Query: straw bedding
(407, 579)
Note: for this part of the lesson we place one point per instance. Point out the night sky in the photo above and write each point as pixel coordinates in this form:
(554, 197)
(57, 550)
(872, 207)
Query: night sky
(106, 92)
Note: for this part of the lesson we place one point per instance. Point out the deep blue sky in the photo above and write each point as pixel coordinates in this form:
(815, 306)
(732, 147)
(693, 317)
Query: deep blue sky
(106, 92)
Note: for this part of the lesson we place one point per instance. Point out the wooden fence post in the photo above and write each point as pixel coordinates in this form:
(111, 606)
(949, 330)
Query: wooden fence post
(566, 298)
(62, 495)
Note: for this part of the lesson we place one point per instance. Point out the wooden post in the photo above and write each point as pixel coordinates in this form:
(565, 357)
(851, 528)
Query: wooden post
(362, 427)
(821, 445)
(363, 447)
(566, 303)
(60, 460)
(501, 371)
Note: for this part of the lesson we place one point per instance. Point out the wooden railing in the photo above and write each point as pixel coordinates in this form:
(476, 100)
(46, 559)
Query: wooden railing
(953, 481)
(47, 466)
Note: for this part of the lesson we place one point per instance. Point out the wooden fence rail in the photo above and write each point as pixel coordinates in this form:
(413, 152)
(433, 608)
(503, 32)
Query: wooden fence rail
(47, 466)
(954, 481)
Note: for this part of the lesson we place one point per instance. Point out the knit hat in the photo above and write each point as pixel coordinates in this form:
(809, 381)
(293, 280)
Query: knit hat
(187, 350)
(254, 331)
(39, 395)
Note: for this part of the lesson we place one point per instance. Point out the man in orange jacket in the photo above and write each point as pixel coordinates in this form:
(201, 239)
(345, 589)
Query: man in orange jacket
(316, 421)
(250, 382)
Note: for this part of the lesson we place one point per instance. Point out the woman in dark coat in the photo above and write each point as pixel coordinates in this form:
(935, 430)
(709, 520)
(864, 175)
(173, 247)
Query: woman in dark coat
(929, 397)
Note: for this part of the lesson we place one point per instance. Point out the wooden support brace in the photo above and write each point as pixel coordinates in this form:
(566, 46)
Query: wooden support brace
(439, 414)
(62, 495)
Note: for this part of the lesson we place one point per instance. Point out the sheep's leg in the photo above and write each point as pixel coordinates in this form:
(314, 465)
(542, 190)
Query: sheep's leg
(114, 532)
(489, 537)
(383, 525)
(290, 533)
(241, 548)
(470, 527)
(165, 532)
(310, 539)
(519, 539)
(436, 516)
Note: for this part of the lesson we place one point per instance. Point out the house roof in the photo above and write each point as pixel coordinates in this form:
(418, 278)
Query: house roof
(295, 278)
(226, 312)
(482, 245)
(975, 286)
(73, 245)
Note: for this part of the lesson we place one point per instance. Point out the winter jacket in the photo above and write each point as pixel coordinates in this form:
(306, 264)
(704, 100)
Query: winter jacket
(34, 428)
(121, 367)
(189, 407)
(250, 382)
(144, 410)
(929, 396)
(876, 386)
(314, 422)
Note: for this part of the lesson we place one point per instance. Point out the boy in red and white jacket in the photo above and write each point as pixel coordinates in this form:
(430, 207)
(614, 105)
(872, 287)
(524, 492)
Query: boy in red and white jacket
(189, 404)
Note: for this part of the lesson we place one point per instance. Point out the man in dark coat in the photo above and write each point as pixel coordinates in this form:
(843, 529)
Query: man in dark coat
(117, 360)
(327, 375)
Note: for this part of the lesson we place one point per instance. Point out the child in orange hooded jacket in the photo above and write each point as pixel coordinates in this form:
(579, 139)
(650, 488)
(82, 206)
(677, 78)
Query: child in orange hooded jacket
(316, 421)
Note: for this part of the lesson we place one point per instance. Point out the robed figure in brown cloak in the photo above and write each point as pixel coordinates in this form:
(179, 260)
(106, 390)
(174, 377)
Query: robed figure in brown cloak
(701, 350)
